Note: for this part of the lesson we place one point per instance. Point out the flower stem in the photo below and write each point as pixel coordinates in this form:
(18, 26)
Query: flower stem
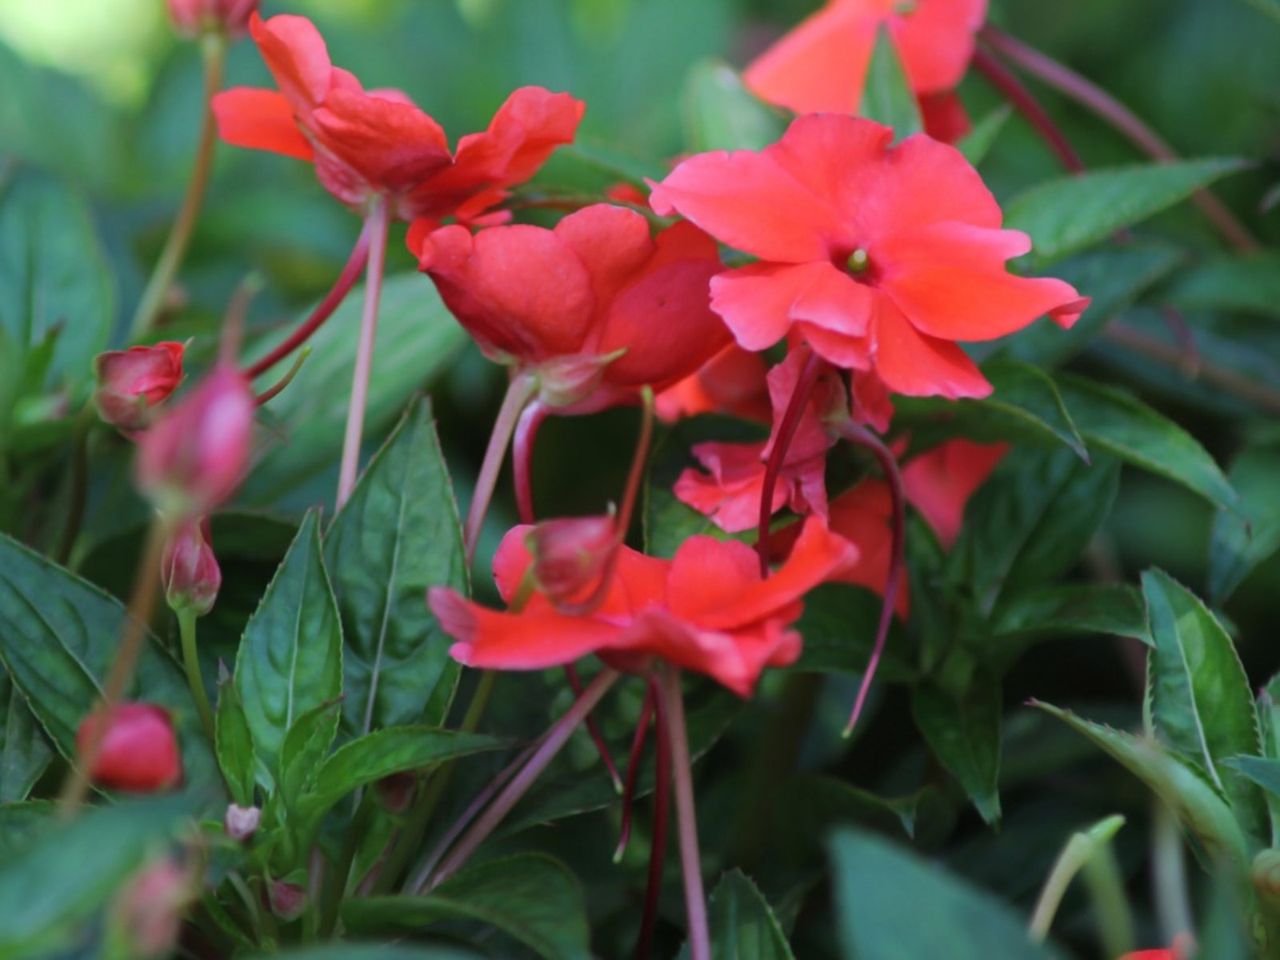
(213, 50)
(376, 226)
(856, 433)
(550, 745)
(526, 436)
(790, 422)
(1084, 92)
(191, 664)
(138, 614)
(520, 391)
(658, 841)
(1169, 875)
(695, 900)
(1080, 849)
(633, 771)
(1004, 80)
(351, 271)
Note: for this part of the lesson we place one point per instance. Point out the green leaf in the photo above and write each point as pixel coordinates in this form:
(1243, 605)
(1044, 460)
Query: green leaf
(1066, 215)
(530, 897)
(371, 951)
(839, 628)
(1236, 284)
(21, 822)
(1262, 771)
(963, 730)
(305, 746)
(892, 905)
(72, 867)
(291, 655)
(58, 639)
(417, 341)
(1198, 805)
(814, 805)
(886, 94)
(977, 143)
(233, 744)
(743, 926)
(1201, 704)
(1111, 609)
(24, 750)
(1247, 536)
(721, 114)
(1024, 407)
(398, 535)
(1124, 426)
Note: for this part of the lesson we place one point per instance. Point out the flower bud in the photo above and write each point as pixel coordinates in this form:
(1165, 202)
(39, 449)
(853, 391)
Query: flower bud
(570, 554)
(190, 570)
(146, 920)
(241, 823)
(138, 750)
(193, 458)
(194, 17)
(131, 383)
(395, 792)
(288, 900)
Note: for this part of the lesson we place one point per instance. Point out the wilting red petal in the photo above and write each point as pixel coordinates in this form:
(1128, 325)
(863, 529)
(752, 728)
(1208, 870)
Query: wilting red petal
(297, 57)
(729, 493)
(911, 363)
(260, 120)
(819, 66)
(940, 482)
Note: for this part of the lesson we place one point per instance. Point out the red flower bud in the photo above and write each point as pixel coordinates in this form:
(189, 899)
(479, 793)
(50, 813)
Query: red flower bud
(193, 458)
(241, 823)
(190, 570)
(193, 17)
(131, 383)
(148, 912)
(138, 750)
(396, 791)
(288, 900)
(570, 555)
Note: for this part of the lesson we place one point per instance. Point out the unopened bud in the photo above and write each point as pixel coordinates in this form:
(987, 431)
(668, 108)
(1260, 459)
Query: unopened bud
(288, 901)
(396, 791)
(241, 823)
(147, 918)
(568, 381)
(190, 570)
(137, 750)
(194, 17)
(571, 554)
(194, 456)
(133, 382)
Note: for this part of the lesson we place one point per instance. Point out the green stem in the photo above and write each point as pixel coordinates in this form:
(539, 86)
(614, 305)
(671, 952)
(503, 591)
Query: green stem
(1169, 876)
(1105, 884)
(191, 664)
(213, 49)
(1079, 851)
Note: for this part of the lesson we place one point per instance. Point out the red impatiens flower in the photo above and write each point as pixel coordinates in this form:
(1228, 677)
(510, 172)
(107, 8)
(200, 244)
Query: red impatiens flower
(193, 17)
(597, 297)
(707, 609)
(369, 143)
(732, 383)
(940, 482)
(879, 257)
(133, 382)
(138, 750)
(821, 66)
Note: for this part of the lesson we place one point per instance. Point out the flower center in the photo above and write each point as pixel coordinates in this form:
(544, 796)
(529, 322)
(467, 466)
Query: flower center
(858, 261)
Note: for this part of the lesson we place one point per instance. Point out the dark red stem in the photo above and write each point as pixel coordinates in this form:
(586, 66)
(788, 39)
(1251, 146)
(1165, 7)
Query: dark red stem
(805, 385)
(593, 728)
(658, 842)
(526, 436)
(1008, 84)
(323, 311)
(633, 771)
(860, 435)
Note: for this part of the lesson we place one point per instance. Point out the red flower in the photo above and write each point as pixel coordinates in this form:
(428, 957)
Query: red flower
(732, 382)
(190, 570)
(1152, 955)
(708, 609)
(821, 65)
(377, 143)
(940, 482)
(879, 257)
(594, 288)
(570, 554)
(193, 17)
(138, 750)
(131, 383)
(192, 460)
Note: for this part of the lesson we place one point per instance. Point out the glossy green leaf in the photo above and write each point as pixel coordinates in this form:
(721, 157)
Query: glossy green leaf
(1201, 703)
(291, 655)
(417, 340)
(530, 897)
(742, 924)
(1247, 536)
(886, 93)
(1262, 771)
(1112, 609)
(1066, 215)
(977, 143)
(305, 746)
(722, 114)
(398, 535)
(963, 731)
(1247, 283)
(1198, 805)
(233, 744)
(1124, 426)
(893, 905)
(24, 749)
(839, 629)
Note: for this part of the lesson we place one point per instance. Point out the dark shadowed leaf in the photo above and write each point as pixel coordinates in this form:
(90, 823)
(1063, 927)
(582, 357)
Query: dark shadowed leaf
(963, 730)
(1240, 284)
(1244, 538)
(722, 114)
(373, 951)
(839, 629)
(977, 143)
(886, 95)
(234, 744)
(1112, 609)
(24, 749)
(398, 535)
(743, 926)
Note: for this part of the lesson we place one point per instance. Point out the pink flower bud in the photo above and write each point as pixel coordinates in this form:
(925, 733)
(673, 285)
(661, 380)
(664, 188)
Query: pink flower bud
(570, 555)
(287, 900)
(190, 570)
(396, 791)
(193, 458)
(193, 17)
(131, 383)
(138, 750)
(147, 916)
(241, 823)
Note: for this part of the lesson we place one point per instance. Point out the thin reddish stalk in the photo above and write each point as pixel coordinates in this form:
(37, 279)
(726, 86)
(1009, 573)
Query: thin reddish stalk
(661, 820)
(805, 385)
(1084, 92)
(351, 271)
(593, 729)
(526, 437)
(1008, 84)
(275, 389)
(695, 899)
(633, 771)
(519, 392)
(856, 433)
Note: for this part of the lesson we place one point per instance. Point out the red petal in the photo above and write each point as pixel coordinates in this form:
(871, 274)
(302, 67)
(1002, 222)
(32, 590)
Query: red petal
(393, 145)
(935, 41)
(916, 365)
(757, 301)
(259, 120)
(839, 158)
(940, 482)
(612, 243)
(730, 495)
(296, 55)
(923, 182)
